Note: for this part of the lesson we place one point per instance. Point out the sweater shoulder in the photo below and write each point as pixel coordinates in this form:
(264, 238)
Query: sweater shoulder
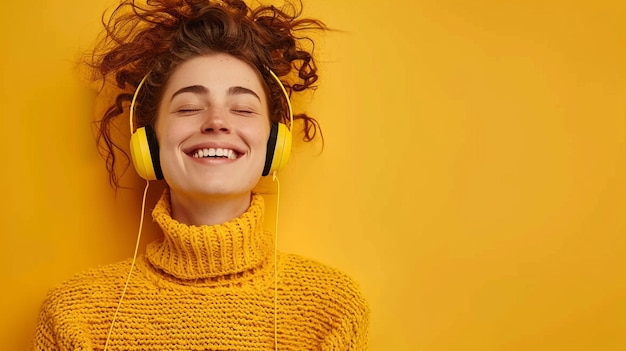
(72, 305)
(326, 294)
(309, 266)
(314, 276)
(92, 283)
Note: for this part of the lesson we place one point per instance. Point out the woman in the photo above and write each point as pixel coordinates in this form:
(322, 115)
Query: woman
(210, 115)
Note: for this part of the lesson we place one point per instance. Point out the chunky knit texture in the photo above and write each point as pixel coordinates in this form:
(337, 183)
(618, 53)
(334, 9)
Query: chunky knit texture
(207, 288)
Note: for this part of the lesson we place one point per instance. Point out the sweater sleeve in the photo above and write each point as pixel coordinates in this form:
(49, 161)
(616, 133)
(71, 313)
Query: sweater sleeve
(351, 333)
(43, 339)
(61, 326)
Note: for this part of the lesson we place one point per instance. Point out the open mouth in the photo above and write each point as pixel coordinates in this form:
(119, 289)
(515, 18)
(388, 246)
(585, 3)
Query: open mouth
(215, 153)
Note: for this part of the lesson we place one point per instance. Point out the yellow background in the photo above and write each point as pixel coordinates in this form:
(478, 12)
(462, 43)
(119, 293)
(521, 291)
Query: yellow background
(473, 178)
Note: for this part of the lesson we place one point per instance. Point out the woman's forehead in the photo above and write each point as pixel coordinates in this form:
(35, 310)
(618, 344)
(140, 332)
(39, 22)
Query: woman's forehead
(217, 71)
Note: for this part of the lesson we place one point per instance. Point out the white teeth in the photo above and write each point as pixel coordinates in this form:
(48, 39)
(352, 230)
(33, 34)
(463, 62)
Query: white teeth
(212, 152)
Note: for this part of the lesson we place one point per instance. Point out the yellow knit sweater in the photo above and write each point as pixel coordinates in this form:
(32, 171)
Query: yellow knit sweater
(207, 288)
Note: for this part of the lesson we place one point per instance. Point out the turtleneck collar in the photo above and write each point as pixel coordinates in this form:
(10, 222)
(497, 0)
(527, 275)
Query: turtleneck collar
(196, 252)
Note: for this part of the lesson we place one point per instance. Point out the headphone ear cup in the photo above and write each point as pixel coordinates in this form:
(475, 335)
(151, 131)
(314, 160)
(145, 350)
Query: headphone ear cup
(278, 148)
(144, 150)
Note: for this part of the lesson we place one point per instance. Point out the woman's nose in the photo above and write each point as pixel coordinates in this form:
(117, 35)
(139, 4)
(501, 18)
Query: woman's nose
(216, 120)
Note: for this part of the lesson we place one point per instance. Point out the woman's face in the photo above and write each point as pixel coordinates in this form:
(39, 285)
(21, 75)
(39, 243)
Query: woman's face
(212, 127)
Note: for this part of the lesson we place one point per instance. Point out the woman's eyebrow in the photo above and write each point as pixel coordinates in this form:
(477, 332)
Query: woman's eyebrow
(241, 90)
(201, 90)
(196, 89)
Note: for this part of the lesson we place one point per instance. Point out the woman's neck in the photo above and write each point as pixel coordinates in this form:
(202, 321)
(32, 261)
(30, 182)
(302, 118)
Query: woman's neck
(208, 210)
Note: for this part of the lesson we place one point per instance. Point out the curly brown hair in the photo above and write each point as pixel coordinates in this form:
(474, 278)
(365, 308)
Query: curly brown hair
(158, 36)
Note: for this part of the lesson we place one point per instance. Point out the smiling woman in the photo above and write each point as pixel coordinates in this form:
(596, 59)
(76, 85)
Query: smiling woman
(214, 104)
(203, 81)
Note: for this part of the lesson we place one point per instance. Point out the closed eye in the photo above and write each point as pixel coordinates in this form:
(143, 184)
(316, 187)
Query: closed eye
(243, 111)
(188, 110)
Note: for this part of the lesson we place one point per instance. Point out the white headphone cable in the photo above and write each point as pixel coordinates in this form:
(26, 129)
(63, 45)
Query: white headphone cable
(275, 178)
(132, 265)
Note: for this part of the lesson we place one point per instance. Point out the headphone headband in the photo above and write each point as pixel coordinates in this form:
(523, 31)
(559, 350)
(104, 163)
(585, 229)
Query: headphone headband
(131, 118)
(282, 88)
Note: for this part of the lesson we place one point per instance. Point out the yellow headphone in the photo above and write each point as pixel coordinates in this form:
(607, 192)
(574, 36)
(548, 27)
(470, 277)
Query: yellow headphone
(144, 147)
